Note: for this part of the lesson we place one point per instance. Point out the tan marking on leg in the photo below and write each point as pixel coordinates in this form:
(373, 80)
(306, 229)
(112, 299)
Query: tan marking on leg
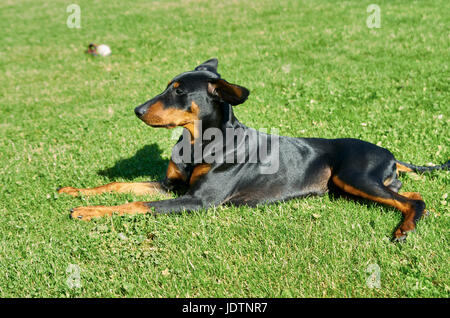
(388, 181)
(139, 188)
(88, 212)
(406, 208)
(412, 195)
(174, 173)
(403, 168)
(199, 171)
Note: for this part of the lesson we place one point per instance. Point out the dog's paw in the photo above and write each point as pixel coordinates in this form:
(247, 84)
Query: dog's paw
(85, 213)
(69, 190)
(399, 239)
(400, 236)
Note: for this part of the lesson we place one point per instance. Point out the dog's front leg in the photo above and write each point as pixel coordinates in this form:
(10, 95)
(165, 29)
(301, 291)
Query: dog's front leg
(177, 205)
(139, 188)
(185, 203)
(86, 213)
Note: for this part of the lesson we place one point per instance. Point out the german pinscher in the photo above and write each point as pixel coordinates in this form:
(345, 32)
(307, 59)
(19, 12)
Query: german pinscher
(199, 100)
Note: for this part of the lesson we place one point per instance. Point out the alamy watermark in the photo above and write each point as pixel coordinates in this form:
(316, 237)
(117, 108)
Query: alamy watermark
(374, 19)
(74, 19)
(74, 278)
(238, 145)
(374, 279)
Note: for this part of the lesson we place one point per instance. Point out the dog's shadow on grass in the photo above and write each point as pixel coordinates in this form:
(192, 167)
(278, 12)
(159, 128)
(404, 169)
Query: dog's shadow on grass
(147, 162)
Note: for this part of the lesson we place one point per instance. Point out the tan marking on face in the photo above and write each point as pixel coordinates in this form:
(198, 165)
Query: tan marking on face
(170, 117)
(192, 127)
(174, 173)
(88, 212)
(199, 171)
(176, 84)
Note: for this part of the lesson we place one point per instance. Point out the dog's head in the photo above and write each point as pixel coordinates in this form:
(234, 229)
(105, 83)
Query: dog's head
(191, 96)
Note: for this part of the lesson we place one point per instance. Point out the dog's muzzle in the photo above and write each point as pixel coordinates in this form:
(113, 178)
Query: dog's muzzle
(140, 110)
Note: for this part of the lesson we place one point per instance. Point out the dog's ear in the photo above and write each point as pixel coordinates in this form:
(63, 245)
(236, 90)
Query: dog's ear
(230, 93)
(209, 65)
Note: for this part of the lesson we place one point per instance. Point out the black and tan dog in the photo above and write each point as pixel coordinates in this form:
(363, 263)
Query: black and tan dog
(305, 166)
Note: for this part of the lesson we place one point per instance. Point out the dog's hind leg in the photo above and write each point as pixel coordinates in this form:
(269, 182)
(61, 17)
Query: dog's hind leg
(410, 204)
(139, 188)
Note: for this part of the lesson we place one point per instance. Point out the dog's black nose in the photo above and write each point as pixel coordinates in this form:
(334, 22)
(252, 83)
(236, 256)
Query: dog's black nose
(139, 111)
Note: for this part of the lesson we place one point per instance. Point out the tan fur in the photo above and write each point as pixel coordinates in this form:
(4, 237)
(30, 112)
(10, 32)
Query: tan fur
(403, 168)
(86, 213)
(406, 208)
(174, 173)
(159, 115)
(139, 188)
(199, 171)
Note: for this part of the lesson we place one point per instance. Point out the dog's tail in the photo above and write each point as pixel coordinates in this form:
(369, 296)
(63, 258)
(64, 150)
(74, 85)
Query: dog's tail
(407, 167)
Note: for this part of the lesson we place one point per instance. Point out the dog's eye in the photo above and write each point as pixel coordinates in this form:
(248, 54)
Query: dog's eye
(179, 91)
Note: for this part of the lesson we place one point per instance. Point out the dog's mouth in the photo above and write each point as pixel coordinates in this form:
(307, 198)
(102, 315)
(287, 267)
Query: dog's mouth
(158, 116)
(157, 122)
(168, 126)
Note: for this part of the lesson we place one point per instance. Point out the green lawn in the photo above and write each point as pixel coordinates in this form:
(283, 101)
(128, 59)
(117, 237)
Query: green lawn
(313, 68)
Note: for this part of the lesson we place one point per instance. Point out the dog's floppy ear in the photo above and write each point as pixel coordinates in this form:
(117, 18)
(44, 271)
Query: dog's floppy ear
(230, 93)
(209, 65)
